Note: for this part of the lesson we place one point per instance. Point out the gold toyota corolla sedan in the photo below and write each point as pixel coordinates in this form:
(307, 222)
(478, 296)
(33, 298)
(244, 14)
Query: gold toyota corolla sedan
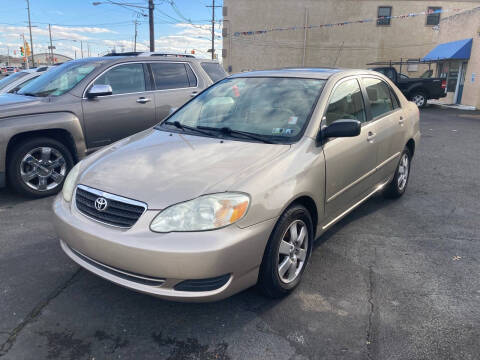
(232, 189)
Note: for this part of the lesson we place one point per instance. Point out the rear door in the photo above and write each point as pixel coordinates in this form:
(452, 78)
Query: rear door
(386, 115)
(175, 83)
(130, 109)
(351, 161)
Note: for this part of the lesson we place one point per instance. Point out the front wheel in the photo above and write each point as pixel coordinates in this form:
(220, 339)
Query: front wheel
(38, 167)
(287, 252)
(398, 185)
(419, 98)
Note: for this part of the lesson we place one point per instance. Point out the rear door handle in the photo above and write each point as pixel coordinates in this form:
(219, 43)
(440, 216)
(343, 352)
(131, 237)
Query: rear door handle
(371, 136)
(194, 93)
(143, 100)
(401, 120)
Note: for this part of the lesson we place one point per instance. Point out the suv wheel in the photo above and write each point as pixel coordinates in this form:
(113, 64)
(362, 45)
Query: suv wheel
(287, 252)
(399, 183)
(419, 98)
(38, 167)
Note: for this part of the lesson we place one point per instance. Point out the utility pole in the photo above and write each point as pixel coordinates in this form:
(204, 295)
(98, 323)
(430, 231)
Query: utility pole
(30, 28)
(213, 27)
(88, 49)
(136, 33)
(150, 22)
(51, 44)
(8, 56)
(81, 48)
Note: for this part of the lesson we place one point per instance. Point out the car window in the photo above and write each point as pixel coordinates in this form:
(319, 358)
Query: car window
(346, 102)
(170, 76)
(10, 79)
(277, 108)
(395, 102)
(214, 71)
(59, 80)
(124, 79)
(378, 96)
(192, 79)
(19, 86)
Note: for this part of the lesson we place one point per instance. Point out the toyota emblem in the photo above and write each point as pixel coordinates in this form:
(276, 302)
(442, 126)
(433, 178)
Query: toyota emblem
(101, 204)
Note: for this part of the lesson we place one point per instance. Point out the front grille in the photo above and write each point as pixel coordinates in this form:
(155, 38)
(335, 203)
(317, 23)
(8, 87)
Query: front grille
(119, 211)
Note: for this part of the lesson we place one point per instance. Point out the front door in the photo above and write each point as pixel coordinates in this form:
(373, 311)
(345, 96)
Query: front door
(461, 82)
(350, 162)
(130, 109)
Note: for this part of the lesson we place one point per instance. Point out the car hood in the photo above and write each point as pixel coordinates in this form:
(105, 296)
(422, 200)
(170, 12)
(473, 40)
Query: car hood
(14, 104)
(162, 168)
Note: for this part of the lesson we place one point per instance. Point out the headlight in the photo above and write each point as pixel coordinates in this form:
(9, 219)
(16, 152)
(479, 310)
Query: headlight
(203, 213)
(69, 184)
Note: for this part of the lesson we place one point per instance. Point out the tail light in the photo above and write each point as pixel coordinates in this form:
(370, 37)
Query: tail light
(444, 84)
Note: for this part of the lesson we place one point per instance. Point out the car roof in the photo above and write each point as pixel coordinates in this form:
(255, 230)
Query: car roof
(122, 59)
(309, 73)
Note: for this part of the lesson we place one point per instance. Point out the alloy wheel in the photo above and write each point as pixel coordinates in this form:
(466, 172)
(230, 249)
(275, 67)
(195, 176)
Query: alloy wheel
(403, 170)
(43, 168)
(419, 100)
(293, 251)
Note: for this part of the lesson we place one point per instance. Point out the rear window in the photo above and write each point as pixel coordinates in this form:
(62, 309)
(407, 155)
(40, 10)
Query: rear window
(10, 79)
(172, 76)
(214, 71)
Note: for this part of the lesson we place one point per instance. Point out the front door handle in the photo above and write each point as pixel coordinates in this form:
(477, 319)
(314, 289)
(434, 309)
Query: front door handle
(194, 93)
(401, 120)
(143, 100)
(371, 136)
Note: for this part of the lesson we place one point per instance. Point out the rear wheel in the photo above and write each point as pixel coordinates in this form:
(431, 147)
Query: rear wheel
(398, 185)
(287, 252)
(38, 167)
(420, 98)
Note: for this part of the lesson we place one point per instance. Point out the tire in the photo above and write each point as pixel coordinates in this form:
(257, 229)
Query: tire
(419, 98)
(270, 281)
(37, 167)
(398, 185)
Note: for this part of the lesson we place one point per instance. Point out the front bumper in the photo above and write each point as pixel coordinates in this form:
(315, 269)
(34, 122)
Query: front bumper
(169, 258)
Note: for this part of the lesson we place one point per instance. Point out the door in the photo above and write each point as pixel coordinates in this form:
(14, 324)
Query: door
(175, 84)
(388, 125)
(130, 109)
(461, 82)
(350, 162)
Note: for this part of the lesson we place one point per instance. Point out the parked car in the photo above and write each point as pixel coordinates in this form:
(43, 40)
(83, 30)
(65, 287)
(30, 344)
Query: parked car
(13, 83)
(234, 187)
(418, 90)
(80, 106)
(9, 70)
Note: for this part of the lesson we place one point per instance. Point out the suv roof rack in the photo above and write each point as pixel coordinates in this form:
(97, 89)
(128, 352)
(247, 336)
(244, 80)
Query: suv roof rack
(163, 53)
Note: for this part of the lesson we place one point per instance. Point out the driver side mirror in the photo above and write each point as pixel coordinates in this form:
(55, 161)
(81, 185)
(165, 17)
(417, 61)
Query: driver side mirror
(341, 128)
(99, 90)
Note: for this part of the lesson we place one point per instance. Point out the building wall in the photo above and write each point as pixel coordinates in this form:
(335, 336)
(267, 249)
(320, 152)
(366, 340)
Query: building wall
(463, 26)
(352, 45)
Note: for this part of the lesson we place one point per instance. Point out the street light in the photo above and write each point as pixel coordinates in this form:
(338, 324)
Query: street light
(150, 9)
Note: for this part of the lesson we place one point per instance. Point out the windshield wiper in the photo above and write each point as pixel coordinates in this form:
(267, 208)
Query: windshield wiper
(230, 131)
(180, 126)
(40, 93)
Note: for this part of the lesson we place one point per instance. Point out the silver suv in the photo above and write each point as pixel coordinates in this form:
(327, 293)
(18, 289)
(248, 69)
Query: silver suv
(85, 104)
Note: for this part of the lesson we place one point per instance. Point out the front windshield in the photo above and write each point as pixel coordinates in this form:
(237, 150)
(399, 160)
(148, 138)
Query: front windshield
(59, 80)
(274, 108)
(10, 79)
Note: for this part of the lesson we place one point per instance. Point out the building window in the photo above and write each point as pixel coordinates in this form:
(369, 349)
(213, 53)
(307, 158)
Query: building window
(433, 15)
(384, 14)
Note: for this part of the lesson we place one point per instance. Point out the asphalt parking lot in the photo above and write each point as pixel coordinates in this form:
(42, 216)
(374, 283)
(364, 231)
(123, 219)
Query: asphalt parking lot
(394, 280)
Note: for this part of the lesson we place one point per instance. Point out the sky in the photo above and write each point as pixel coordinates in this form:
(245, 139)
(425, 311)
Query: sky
(180, 26)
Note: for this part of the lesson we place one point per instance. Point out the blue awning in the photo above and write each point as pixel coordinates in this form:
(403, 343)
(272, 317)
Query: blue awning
(459, 50)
